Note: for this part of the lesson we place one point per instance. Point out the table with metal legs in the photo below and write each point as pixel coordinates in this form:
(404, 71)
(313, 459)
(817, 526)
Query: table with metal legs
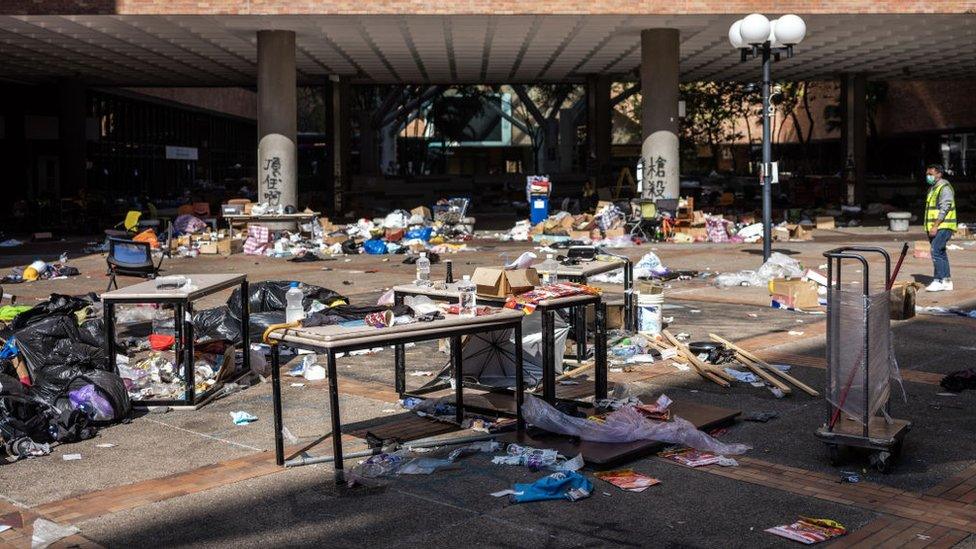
(332, 340)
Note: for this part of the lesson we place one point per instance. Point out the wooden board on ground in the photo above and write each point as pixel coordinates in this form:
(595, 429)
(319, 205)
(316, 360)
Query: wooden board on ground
(405, 426)
(602, 454)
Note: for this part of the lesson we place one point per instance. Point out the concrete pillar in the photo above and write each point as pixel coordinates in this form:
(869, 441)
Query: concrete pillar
(854, 129)
(659, 113)
(340, 142)
(567, 140)
(598, 128)
(277, 118)
(71, 130)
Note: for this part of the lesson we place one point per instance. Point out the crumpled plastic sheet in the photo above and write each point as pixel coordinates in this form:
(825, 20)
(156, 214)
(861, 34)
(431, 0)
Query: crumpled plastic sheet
(624, 425)
(778, 266)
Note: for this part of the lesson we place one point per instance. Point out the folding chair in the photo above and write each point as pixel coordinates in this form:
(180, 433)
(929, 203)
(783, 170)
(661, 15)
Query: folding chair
(130, 258)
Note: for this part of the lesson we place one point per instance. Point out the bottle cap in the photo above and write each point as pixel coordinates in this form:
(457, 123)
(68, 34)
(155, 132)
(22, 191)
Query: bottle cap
(294, 285)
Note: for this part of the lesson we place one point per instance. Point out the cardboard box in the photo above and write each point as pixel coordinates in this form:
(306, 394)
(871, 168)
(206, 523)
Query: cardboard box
(791, 232)
(422, 211)
(614, 232)
(697, 217)
(615, 316)
(335, 238)
(497, 282)
(793, 294)
(223, 246)
(580, 235)
(902, 300)
(826, 222)
(923, 250)
(326, 224)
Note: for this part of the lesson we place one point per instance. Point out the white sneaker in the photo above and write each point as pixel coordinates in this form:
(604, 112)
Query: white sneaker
(935, 286)
(946, 285)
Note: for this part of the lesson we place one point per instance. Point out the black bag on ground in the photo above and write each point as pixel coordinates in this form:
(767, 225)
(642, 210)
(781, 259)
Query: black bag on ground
(261, 321)
(56, 350)
(109, 385)
(270, 296)
(56, 305)
(217, 324)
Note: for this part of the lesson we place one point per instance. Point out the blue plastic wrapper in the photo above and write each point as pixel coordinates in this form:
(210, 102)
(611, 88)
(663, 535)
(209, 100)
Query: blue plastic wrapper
(374, 247)
(422, 233)
(562, 485)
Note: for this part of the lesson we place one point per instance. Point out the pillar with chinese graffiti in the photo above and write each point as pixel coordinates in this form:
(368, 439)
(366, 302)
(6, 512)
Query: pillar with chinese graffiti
(277, 119)
(659, 113)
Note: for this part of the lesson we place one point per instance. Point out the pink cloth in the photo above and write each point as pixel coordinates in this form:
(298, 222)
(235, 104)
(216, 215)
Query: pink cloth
(258, 238)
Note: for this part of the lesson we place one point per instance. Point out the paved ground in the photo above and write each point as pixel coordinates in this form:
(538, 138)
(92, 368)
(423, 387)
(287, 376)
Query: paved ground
(193, 478)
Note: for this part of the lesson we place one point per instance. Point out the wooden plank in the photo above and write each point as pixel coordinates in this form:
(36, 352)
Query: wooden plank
(739, 350)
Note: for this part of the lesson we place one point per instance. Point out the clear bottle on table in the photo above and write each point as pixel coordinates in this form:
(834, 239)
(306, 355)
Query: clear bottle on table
(547, 270)
(423, 270)
(467, 298)
(294, 310)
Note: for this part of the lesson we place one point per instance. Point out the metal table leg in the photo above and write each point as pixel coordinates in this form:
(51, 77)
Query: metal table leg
(399, 357)
(110, 335)
(188, 372)
(276, 404)
(600, 366)
(340, 476)
(456, 366)
(630, 321)
(246, 325)
(548, 357)
(519, 379)
(580, 332)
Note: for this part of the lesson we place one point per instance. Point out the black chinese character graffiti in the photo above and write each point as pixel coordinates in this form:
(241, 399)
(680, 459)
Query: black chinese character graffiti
(272, 178)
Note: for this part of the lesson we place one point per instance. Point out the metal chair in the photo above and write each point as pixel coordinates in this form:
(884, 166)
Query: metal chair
(130, 258)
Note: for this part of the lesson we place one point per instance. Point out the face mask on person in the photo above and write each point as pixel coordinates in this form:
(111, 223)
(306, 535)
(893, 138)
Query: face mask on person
(931, 179)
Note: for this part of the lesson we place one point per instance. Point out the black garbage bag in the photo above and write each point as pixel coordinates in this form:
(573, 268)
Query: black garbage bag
(23, 416)
(108, 384)
(56, 350)
(958, 382)
(57, 304)
(217, 324)
(270, 296)
(261, 321)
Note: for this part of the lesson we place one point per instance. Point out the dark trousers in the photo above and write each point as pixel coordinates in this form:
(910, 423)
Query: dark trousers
(940, 257)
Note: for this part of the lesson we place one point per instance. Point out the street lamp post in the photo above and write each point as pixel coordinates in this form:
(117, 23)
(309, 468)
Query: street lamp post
(756, 36)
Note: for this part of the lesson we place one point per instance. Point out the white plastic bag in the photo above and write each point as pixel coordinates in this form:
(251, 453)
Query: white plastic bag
(624, 425)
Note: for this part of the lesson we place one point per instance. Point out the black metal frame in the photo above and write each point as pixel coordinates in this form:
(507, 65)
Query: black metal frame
(548, 313)
(182, 307)
(455, 334)
(630, 319)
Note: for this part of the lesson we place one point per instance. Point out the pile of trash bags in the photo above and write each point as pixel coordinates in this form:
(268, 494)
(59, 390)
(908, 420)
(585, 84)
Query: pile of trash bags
(55, 382)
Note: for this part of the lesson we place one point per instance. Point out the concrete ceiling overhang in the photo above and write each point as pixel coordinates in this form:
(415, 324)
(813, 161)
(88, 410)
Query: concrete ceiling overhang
(220, 50)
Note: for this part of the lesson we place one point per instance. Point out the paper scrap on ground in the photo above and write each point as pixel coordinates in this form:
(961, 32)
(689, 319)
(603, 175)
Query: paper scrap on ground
(795, 333)
(242, 418)
(809, 530)
(668, 353)
(71, 457)
(690, 457)
(105, 445)
(627, 479)
(47, 532)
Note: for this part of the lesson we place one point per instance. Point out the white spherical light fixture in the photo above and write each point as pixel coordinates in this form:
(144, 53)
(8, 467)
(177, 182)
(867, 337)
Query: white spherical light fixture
(754, 29)
(735, 38)
(790, 30)
(774, 41)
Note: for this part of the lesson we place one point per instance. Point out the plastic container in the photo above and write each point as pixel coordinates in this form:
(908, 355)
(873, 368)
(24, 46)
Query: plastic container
(294, 311)
(467, 298)
(538, 208)
(650, 305)
(423, 270)
(898, 221)
(547, 270)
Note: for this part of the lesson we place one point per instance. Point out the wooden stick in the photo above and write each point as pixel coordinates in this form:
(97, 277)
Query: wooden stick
(682, 348)
(703, 371)
(759, 371)
(576, 371)
(758, 361)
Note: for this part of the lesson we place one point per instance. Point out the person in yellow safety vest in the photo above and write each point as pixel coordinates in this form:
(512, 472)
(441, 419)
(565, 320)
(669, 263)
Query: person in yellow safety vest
(940, 224)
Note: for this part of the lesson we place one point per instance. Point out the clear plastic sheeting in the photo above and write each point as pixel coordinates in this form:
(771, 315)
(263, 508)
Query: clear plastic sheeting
(777, 266)
(859, 338)
(624, 425)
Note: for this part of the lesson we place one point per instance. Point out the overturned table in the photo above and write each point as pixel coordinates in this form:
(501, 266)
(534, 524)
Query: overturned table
(331, 340)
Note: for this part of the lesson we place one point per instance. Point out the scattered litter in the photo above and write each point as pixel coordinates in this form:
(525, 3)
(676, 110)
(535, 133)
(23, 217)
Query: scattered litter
(681, 367)
(5, 527)
(422, 374)
(314, 373)
(105, 445)
(850, 477)
(689, 457)
(297, 385)
(533, 458)
(242, 418)
(795, 333)
(557, 486)
(744, 377)
(760, 417)
(627, 479)
(71, 457)
(47, 533)
(809, 530)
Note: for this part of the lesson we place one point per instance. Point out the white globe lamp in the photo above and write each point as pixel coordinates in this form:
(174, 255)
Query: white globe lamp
(735, 38)
(790, 30)
(754, 29)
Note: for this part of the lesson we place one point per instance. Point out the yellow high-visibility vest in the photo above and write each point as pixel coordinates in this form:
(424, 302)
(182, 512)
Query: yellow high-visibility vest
(932, 208)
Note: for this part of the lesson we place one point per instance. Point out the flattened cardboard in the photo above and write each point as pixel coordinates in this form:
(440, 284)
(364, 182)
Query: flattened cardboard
(793, 294)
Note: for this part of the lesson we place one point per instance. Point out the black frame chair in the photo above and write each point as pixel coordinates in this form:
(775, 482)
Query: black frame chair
(146, 269)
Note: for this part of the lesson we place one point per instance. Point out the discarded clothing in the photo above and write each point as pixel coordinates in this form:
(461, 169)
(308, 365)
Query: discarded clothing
(561, 485)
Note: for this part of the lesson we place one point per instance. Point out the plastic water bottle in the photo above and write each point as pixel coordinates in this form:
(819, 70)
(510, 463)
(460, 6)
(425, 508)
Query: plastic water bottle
(294, 311)
(423, 270)
(547, 270)
(467, 298)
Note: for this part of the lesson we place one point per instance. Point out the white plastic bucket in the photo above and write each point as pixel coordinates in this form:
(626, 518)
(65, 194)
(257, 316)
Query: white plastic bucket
(649, 309)
(898, 221)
